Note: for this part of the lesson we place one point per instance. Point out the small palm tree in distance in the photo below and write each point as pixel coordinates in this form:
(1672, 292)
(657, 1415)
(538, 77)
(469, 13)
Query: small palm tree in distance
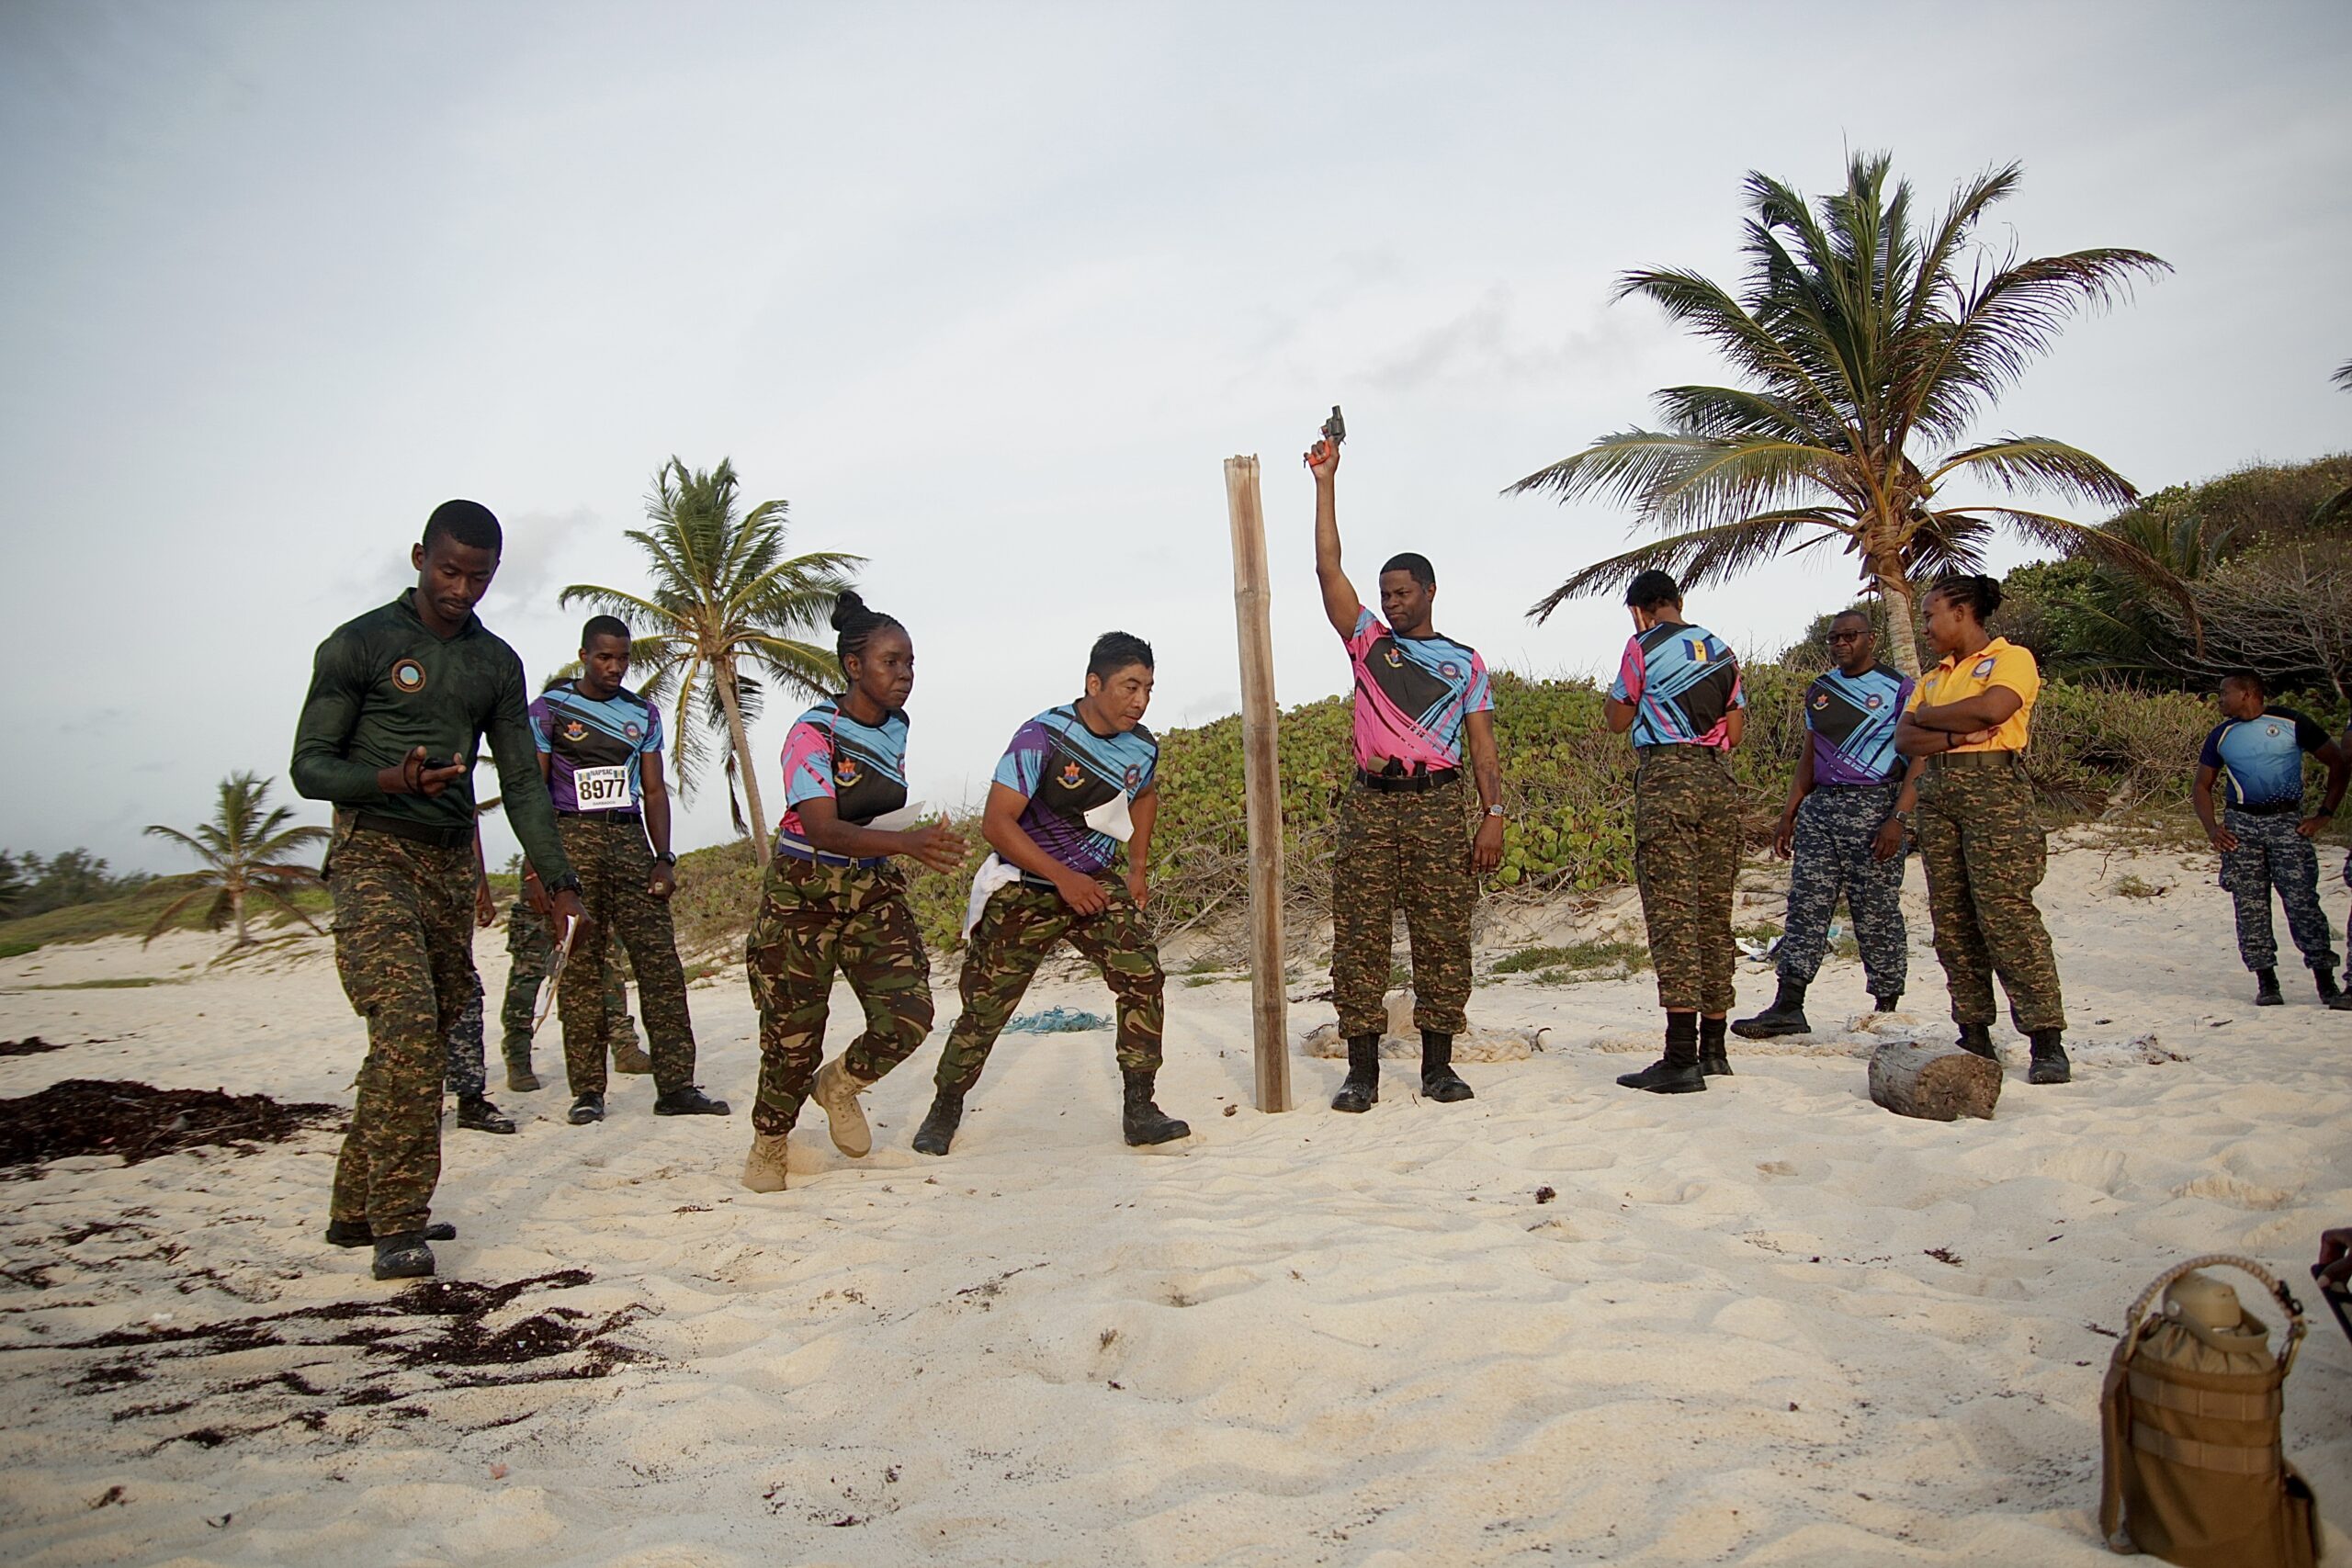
(1868, 346)
(245, 851)
(724, 596)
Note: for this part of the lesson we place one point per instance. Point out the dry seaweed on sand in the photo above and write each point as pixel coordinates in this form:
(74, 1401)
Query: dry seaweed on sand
(99, 1116)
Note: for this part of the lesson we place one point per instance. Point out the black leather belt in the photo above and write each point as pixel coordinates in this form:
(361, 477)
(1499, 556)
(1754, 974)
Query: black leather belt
(415, 832)
(1387, 782)
(2277, 808)
(603, 816)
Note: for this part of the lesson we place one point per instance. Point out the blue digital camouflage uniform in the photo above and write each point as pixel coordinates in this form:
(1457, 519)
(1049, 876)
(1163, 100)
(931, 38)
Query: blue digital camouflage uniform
(1857, 776)
(2259, 763)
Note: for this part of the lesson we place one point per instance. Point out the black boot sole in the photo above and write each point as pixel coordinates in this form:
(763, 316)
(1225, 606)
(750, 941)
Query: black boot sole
(1763, 1026)
(1652, 1080)
(1166, 1132)
(1356, 1098)
(1447, 1090)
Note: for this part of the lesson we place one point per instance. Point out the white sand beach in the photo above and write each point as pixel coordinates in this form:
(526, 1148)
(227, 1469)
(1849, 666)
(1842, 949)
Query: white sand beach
(1772, 1323)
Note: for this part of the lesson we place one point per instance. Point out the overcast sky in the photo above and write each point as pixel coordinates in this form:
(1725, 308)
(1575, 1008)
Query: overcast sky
(987, 292)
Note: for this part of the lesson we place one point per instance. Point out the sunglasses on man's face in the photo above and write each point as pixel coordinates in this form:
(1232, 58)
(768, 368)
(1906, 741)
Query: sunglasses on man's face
(1836, 638)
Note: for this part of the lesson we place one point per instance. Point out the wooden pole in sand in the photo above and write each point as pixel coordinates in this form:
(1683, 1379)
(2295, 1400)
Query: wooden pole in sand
(1261, 771)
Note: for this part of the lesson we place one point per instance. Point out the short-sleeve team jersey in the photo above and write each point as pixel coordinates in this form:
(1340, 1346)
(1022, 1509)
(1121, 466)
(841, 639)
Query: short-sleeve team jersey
(861, 768)
(1683, 683)
(1413, 694)
(1850, 720)
(595, 748)
(1065, 769)
(2261, 760)
(1999, 662)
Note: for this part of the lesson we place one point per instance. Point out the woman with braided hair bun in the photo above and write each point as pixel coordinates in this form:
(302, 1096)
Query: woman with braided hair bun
(832, 902)
(1979, 838)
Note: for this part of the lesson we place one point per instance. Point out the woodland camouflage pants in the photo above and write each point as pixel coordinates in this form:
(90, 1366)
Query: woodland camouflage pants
(2271, 854)
(404, 950)
(615, 865)
(1409, 848)
(813, 922)
(1018, 928)
(530, 944)
(1686, 861)
(1984, 852)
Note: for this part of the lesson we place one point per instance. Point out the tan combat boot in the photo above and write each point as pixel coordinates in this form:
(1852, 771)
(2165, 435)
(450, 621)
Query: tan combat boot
(628, 1056)
(764, 1167)
(837, 1090)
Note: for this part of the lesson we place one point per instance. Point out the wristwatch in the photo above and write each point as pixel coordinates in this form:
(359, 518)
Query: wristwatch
(1495, 810)
(568, 883)
(666, 857)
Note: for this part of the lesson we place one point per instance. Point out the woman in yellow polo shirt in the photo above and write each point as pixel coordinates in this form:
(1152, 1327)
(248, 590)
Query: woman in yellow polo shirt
(1979, 837)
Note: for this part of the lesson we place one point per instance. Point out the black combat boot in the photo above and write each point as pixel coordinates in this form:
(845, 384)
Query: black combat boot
(479, 1113)
(403, 1256)
(1678, 1071)
(1785, 1016)
(938, 1129)
(1978, 1038)
(2266, 989)
(1144, 1122)
(1439, 1080)
(2330, 995)
(689, 1101)
(2050, 1063)
(1362, 1091)
(1888, 1004)
(586, 1109)
(1714, 1061)
(357, 1232)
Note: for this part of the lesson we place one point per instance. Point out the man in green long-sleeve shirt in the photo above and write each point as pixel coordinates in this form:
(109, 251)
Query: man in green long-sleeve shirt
(399, 704)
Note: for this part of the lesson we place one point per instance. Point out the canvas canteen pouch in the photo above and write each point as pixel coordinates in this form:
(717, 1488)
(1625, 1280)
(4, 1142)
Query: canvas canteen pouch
(2190, 1418)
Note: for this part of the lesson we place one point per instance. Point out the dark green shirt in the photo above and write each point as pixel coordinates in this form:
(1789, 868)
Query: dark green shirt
(383, 685)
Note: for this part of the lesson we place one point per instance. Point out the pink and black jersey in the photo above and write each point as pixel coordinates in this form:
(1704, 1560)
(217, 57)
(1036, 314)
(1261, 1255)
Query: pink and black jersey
(862, 769)
(1413, 694)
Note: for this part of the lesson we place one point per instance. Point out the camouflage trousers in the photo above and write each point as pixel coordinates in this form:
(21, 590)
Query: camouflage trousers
(404, 950)
(530, 946)
(616, 865)
(1983, 847)
(1019, 927)
(1409, 848)
(1686, 859)
(1836, 829)
(2270, 854)
(815, 921)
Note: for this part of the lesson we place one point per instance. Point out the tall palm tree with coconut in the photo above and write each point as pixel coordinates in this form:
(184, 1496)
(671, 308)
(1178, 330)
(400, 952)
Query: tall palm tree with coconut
(1868, 345)
(245, 851)
(725, 599)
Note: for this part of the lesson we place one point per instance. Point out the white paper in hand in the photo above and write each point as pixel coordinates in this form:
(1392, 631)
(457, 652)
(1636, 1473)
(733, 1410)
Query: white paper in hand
(899, 821)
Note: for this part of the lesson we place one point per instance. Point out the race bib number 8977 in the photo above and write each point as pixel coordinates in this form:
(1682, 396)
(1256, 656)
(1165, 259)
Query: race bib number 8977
(600, 789)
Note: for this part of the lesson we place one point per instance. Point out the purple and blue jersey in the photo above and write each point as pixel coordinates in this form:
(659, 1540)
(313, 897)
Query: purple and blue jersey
(1065, 769)
(1851, 720)
(594, 748)
(1682, 683)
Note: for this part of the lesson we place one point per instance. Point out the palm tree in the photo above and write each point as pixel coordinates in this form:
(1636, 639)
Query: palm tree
(1858, 338)
(243, 851)
(724, 595)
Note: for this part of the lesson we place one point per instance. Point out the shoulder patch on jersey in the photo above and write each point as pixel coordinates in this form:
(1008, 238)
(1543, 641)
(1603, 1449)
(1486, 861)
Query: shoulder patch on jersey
(634, 731)
(1873, 700)
(1134, 775)
(847, 771)
(1983, 669)
(408, 675)
(1821, 700)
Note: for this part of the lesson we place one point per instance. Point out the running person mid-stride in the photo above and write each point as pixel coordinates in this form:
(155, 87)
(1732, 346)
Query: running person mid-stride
(832, 903)
(1844, 826)
(2256, 753)
(600, 747)
(1404, 837)
(399, 700)
(1075, 782)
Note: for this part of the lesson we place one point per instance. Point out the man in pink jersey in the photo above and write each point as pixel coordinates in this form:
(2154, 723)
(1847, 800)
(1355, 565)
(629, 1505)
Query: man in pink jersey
(1405, 834)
